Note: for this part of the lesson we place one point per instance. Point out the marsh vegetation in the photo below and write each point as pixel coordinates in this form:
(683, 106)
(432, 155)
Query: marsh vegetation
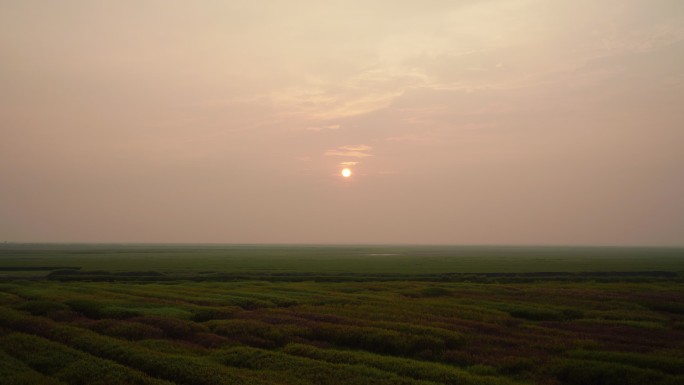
(89, 318)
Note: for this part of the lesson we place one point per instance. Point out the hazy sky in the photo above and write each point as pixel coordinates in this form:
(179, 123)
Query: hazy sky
(472, 121)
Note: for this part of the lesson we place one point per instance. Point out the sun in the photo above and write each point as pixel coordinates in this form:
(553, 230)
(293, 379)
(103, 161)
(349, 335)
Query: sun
(346, 173)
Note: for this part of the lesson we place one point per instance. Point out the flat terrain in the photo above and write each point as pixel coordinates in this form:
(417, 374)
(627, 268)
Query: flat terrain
(218, 314)
(328, 260)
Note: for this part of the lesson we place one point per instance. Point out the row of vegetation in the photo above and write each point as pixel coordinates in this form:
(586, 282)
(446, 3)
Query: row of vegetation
(71, 275)
(380, 332)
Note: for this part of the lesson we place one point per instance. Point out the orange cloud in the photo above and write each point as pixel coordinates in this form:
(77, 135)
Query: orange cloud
(352, 150)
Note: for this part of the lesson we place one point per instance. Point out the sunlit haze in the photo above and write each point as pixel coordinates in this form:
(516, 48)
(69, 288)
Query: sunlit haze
(463, 122)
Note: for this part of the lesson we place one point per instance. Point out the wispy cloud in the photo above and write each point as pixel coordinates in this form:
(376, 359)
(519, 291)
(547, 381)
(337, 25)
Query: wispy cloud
(349, 163)
(356, 147)
(406, 138)
(327, 101)
(351, 150)
(325, 98)
(324, 127)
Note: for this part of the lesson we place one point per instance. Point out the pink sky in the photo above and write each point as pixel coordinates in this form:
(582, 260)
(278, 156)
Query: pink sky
(464, 122)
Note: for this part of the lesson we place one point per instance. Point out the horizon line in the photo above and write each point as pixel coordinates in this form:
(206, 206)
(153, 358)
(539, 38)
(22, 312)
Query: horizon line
(351, 244)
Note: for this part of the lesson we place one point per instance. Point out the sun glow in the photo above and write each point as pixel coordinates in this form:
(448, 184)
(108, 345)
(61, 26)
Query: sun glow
(346, 173)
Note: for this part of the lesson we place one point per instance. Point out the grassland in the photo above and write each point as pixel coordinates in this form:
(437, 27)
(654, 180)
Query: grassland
(216, 314)
(334, 260)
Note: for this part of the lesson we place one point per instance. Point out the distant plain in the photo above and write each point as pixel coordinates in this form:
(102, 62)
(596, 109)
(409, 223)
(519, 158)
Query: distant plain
(331, 259)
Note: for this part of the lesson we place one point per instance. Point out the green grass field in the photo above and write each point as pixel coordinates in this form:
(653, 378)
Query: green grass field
(401, 260)
(221, 314)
